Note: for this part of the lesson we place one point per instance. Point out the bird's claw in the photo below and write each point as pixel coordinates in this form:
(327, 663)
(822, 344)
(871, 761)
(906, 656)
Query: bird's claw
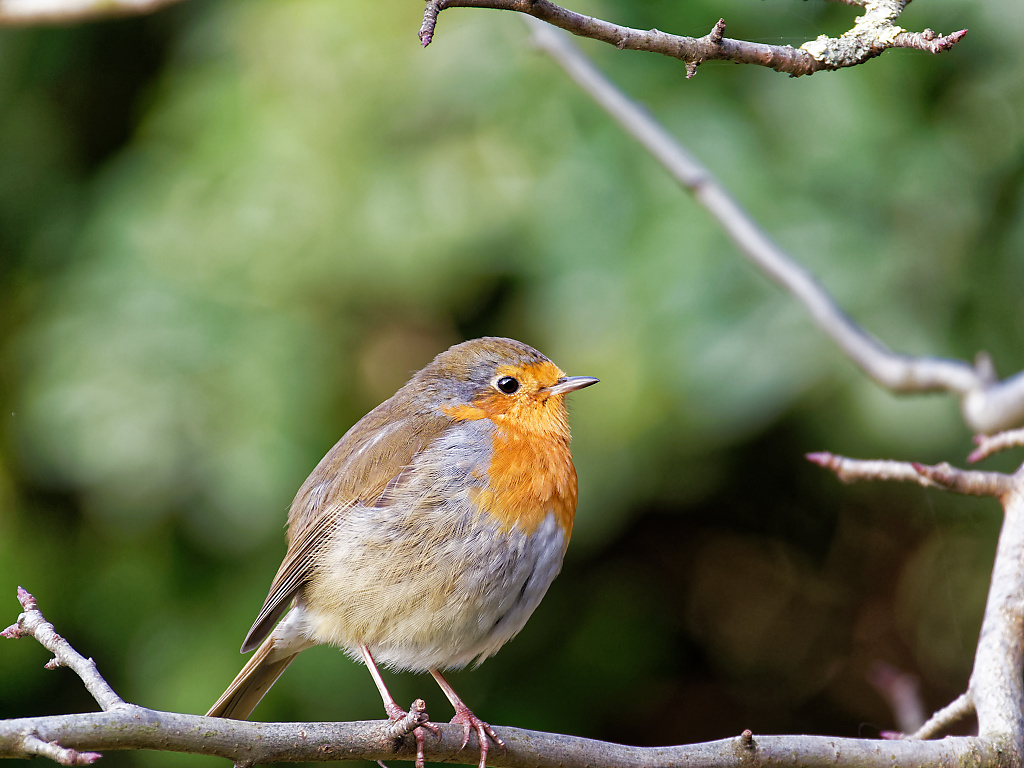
(484, 733)
(415, 720)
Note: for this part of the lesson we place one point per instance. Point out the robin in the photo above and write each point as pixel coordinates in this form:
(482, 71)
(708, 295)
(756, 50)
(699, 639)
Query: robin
(429, 533)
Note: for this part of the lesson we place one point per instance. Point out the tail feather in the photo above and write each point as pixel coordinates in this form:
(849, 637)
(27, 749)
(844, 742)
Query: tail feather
(255, 679)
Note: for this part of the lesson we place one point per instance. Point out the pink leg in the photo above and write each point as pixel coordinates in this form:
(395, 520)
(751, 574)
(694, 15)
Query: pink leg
(394, 711)
(468, 720)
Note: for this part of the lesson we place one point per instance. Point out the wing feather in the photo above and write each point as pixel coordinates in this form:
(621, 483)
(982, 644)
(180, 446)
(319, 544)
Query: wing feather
(360, 468)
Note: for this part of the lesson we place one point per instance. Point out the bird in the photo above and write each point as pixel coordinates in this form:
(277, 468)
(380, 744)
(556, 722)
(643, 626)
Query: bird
(430, 532)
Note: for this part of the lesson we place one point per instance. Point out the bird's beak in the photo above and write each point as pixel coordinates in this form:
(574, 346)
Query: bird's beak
(571, 384)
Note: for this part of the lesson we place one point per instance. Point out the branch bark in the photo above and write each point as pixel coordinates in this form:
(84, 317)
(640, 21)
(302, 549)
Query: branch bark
(871, 34)
(248, 743)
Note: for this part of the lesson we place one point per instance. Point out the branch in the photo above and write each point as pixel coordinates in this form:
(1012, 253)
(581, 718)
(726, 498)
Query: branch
(871, 34)
(249, 743)
(65, 738)
(26, 12)
(995, 692)
(32, 623)
(987, 404)
(959, 709)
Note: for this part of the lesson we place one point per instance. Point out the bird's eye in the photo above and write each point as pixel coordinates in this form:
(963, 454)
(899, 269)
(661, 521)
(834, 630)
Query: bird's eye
(507, 384)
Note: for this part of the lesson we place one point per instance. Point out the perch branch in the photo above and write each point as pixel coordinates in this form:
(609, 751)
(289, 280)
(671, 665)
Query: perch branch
(871, 34)
(248, 743)
(65, 738)
(987, 404)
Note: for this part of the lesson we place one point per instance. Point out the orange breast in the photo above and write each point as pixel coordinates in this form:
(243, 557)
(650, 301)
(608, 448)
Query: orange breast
(530, 477)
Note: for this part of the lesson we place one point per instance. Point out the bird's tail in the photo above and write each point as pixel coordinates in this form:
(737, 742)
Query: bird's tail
(255, 679)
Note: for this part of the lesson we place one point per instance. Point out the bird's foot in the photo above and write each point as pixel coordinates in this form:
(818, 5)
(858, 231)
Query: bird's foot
(484, 733)
(416, 720)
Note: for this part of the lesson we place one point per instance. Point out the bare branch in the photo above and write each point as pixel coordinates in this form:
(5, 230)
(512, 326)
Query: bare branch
(249, 743)
(938, 724)
(854, 470)
(25, 12)
(995, 687)
(65, 738)
(990, 445)
(872, 33)
(944, 476)
(987, 404)
(33, 623)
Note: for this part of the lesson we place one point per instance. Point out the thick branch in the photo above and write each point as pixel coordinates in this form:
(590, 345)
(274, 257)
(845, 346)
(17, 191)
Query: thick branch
(250, 743)
(987, 404)
(995, 686)
(65, 738)
(871, 34)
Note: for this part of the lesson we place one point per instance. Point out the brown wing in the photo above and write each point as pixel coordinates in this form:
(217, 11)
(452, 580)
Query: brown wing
(356, 470)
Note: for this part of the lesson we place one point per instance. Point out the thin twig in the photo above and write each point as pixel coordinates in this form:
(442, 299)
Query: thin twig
(871, 34)
(990, 445)
(944, 476)
(939, 724)
(856, 470)
(33, 623)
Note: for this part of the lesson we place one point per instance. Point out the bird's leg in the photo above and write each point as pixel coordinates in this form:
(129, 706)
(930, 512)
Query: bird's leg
(468, 720)
(394, 711)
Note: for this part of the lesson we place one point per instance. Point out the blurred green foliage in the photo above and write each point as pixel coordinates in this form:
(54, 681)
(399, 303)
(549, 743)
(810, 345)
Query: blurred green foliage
(230, 229)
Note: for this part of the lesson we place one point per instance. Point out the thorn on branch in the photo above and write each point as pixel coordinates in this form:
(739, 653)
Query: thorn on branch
(28, 602)
(747, 739)
(717, 31)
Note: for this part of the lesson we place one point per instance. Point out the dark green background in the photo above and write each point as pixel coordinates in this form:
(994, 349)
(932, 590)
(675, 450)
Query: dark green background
(230, 229)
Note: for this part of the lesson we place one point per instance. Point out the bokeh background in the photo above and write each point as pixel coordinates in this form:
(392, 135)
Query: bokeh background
(229, 229)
